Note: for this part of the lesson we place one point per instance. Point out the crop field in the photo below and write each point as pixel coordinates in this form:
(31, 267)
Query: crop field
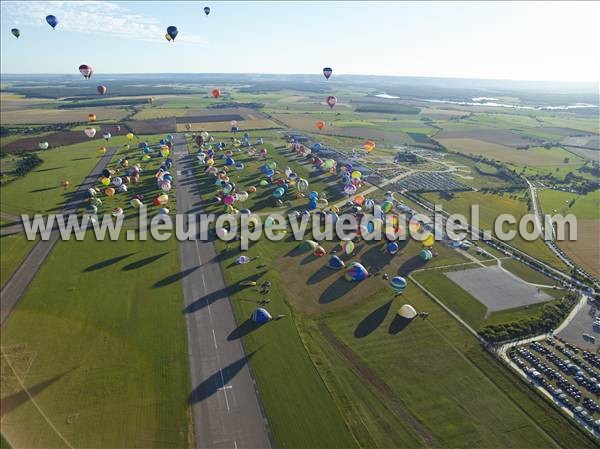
(54, 140)
(105, 364)
(49, 116)
(158, 113)
(585, 251)
(490, 206)
(582, 206)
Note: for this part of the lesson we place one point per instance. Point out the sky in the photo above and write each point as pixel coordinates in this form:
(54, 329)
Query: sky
(551, 41)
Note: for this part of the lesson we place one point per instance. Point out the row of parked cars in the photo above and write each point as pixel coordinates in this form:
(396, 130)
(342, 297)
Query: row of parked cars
(558, 380)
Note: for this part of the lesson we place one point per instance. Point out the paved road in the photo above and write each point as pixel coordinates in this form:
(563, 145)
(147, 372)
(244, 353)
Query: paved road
(16, 286)
(225, 405)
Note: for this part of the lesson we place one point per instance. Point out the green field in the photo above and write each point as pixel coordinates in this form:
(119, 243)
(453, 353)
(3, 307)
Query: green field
(14, 249)
(490, 207)
(99, 341)
(40, 190)
(582, 206)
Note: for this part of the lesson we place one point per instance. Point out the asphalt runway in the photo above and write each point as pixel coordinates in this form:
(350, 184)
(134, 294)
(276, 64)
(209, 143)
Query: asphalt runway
(226, 408)
(16, 286)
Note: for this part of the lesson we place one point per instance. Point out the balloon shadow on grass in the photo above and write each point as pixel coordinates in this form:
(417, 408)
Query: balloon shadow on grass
(372, 321)
(398, 324)
(143, 262)
(106, 263)
(243, 329)
(15, 400)
(336, 290)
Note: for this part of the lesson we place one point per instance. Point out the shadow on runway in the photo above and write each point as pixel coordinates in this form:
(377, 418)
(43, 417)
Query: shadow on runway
(218, 380)
(174, 277)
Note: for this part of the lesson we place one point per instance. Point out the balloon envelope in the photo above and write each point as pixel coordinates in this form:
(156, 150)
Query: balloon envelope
(101, 89)
(260, 316)
(398, 284)
(43, 145)
(90, 132)
(327, 71)
(331, 101)
(407, 311)
(216, 93)
(52, 20)
(172, 32)
(86, 71)
(15, 32)
(356, 272)
(206, 10)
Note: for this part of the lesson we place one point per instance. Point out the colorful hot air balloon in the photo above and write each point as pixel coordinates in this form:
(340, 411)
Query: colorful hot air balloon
(327, 71)
(130, 136)
(86, 71)
(429, 241)
(172, 32)
(90, 132)
(216, 93)
(398, 284)
(369, 145)
(320, 124)
(52, 21)
(43, 145)
(206, 10)
(91, 117)
(331, 101)
(15, 32)
(101, 89)
(425, 255)
(356, 272)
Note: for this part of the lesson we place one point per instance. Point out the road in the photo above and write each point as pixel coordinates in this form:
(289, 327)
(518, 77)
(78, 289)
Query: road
(226, 409)
(16, 286)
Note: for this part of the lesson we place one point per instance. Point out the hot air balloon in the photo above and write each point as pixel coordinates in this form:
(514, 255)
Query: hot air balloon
(167, 37)
(356, 272)
(331, 101)
(106, 136)
(206, 10)
(369, 145)
(43, 145)
(172, 32)
(117, 128)
(348, 247)
(320, 124)
(91, 117)
(327, 71)
(86, 71)
(429, 241)
(398, 284)
(407, 311)
(425, 254)
(101, 89)
(130, 136)
(90, 132)
(260, 316)
(335, 263)
(301, 184)
(102, 150)
(216, 93)
(15, 32)
(52, 21)
(151, 100)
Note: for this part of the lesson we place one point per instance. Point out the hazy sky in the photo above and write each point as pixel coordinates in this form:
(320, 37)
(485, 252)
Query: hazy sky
(535, 41)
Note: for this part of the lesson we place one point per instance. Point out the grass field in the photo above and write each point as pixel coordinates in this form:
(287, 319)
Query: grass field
(490, 207)
(99, 342)
(14, 249)
(40, 190)
(437, 374)
(582, 206)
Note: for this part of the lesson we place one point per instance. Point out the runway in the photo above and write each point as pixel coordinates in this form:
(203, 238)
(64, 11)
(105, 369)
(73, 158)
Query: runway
(226, 408)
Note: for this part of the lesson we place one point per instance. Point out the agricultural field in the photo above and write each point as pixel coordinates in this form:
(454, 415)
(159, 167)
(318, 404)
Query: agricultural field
(50, 116)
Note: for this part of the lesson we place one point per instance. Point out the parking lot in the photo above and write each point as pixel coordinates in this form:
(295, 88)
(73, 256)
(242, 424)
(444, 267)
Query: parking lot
(581, 330)
(569, 374)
